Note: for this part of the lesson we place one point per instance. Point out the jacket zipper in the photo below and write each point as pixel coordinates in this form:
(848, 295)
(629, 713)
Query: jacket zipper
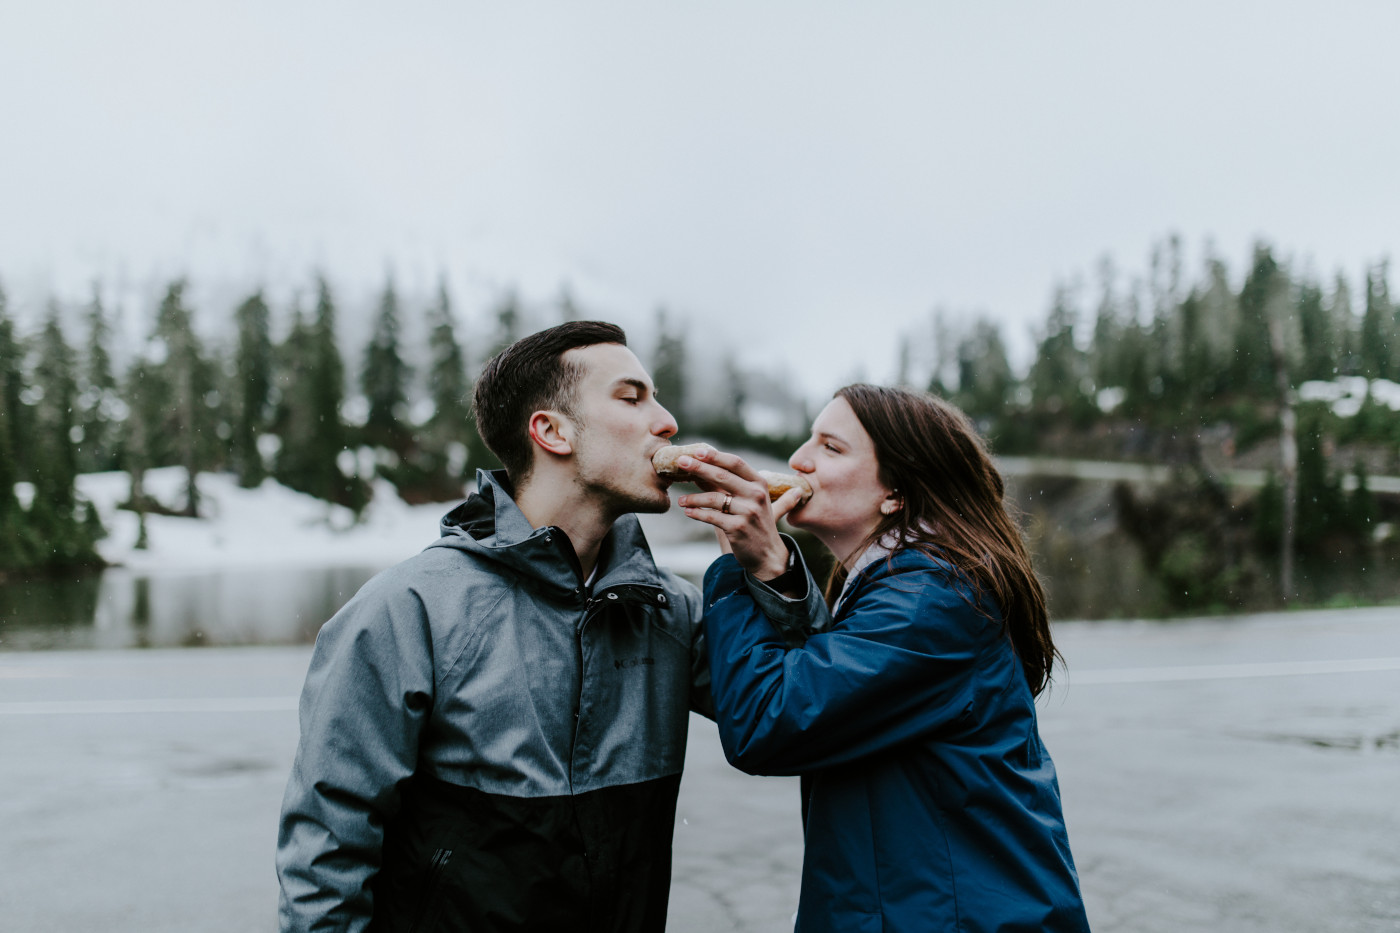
(589, 606)
(436, 869)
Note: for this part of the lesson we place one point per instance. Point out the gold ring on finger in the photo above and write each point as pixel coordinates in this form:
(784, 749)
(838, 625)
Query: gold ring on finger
(727, 499)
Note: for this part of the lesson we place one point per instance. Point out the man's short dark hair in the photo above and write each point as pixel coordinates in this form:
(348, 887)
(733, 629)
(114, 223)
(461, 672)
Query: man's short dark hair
(528, 376)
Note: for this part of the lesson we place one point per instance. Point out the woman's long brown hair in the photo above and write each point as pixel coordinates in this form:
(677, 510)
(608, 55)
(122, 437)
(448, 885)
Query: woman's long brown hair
(931, 456)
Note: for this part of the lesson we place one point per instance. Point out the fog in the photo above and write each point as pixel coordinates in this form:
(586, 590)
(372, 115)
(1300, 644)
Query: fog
(841, 169)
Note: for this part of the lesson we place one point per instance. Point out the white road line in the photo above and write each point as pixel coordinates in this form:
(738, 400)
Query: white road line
(186, 705)
(1126, 675)
(1150, 675)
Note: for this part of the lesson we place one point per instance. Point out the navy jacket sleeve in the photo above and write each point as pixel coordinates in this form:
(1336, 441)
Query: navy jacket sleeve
(795, 616)
(898, 663)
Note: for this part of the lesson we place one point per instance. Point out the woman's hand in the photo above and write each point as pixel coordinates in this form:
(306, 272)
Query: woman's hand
(735, 502)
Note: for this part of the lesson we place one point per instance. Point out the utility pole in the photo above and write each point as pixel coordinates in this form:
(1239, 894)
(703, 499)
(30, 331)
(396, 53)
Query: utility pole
(1288, 457)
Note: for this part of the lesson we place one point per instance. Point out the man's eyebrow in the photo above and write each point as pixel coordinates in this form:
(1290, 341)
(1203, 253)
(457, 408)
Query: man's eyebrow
(635, 383)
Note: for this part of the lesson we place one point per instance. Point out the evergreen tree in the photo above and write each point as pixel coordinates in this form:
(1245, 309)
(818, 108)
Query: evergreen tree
(1378, 327)
(295, 417)
(945, 356)
(252, 391)
(63, 540)
(99, 403)
(668, 368)
(736, 396)
(313, 435)
(1165, 280)
(1319, 342)
(1059, 375)
(55, 424)
(1167, 348)
(327, 378)
(1105, 361)
(145, 395)
(452, 422)
(985, 379)
(1362, 511)
(1220, 314)
(1265, 288)
(189, 382)
(448, 386)
(1191, 373)
(1322, 506)
(1344, 325)
(385, 377)
(1135, 360)
(904, 362)
(14, 533)
(1268, 512)
(507, 324)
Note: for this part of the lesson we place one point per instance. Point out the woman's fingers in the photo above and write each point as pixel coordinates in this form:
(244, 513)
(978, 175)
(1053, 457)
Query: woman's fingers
(786, 503)
(734, 501)
(709, 500)
(715, 466)
(753, 540)
(731, 462)
(715, 501)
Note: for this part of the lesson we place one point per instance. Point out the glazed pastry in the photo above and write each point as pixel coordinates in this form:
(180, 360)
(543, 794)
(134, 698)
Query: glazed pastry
(779, 483)
(664, 460)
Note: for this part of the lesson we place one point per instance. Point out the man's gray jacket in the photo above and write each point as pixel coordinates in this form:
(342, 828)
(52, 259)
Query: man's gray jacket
(489, 744)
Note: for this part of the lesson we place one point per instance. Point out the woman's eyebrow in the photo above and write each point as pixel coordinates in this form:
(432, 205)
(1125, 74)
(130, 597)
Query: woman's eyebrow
(828, 436)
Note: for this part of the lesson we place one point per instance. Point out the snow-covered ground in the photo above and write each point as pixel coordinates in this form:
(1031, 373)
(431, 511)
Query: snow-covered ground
(273, 526)
(1346, 394)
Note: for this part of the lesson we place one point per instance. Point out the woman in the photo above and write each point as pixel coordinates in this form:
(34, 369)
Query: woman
(929, 801)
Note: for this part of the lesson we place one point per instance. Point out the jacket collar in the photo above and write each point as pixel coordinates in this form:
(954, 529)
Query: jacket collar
(879, 550)
(490, 525)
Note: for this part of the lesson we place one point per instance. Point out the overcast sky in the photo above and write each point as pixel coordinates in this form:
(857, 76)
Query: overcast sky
(801, 181)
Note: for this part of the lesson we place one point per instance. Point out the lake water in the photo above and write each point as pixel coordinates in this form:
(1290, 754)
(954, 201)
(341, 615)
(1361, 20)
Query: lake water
(120, 608)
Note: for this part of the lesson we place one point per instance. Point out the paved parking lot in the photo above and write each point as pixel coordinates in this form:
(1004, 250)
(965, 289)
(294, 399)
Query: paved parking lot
(1234, 775)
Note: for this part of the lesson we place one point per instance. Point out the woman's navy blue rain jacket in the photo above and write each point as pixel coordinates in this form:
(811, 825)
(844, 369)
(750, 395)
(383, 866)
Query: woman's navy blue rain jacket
(933, 804)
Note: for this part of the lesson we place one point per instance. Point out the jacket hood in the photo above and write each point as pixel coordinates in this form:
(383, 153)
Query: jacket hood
(490, 525)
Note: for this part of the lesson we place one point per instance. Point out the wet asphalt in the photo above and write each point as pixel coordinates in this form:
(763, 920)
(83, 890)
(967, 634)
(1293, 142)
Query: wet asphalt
(1224, 775)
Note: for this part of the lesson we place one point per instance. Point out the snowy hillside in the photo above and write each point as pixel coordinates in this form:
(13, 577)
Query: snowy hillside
(275, 526)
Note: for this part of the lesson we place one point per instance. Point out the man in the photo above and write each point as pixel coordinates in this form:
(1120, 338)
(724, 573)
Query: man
(492, 732)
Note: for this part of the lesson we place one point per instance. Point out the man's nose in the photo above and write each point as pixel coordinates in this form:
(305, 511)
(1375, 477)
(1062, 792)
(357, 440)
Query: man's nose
(667, 426)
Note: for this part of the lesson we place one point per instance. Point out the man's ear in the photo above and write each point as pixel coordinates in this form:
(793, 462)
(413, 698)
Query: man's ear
(552, 432)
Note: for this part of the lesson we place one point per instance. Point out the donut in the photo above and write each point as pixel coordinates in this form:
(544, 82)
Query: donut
(664, 460)
(779, 483)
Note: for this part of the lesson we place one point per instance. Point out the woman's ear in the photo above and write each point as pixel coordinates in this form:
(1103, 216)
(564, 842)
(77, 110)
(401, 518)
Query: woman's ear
(551, 432)
(891, 504)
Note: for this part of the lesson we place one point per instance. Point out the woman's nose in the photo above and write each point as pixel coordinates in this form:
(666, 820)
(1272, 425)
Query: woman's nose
(799, 460)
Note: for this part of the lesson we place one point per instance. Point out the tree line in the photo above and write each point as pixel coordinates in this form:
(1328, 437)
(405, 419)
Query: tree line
(1150, 370)
(1203, 374)
(258, 404)
(1165, 351)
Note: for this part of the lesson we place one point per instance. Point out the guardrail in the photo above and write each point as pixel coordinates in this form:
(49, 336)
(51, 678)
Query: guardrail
(1155, 474)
